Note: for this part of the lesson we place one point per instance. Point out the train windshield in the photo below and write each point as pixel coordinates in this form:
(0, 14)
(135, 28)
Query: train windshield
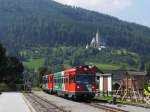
(85, 79)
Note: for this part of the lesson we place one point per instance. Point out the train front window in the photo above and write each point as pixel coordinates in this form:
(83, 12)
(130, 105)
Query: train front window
(85, 79)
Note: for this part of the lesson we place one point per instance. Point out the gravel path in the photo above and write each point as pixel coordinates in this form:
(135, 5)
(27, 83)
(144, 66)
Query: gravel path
(68, 105)
(13, 102)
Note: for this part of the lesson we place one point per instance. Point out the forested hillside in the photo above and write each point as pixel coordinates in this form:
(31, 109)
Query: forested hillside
(10, 70)
(34, 23)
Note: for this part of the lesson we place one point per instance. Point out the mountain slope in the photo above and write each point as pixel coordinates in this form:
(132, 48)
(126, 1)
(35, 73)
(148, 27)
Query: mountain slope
(33, 23)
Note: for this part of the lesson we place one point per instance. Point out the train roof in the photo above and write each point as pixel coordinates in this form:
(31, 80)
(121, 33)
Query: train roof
(82, 69)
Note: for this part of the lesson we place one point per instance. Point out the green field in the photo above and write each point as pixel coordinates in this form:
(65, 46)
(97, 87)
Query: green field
(107, 66)
(34, 63)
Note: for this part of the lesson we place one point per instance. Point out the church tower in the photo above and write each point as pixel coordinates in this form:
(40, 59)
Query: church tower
(97, 39)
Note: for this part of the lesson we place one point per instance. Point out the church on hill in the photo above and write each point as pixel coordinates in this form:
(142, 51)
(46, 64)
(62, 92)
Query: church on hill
(96, 43)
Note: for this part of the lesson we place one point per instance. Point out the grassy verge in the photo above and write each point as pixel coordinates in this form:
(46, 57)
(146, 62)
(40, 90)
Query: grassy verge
(133, 103)
(106, 98)
(120, 102)
(4, 87)
(36, 88)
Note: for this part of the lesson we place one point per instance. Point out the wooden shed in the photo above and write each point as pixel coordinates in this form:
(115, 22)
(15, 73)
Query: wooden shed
(132, 85)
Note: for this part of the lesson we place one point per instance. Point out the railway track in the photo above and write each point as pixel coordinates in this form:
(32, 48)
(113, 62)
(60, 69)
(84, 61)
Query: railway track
(106, 108)
(42, 105)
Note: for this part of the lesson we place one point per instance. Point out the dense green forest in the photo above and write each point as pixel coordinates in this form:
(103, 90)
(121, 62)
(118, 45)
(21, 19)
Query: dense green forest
(11, 69)
(34, 23)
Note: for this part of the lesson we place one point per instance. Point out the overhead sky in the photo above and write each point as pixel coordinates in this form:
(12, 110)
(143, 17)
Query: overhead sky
(137, 11)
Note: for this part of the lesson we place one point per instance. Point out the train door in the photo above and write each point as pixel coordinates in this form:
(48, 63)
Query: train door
(66, 83)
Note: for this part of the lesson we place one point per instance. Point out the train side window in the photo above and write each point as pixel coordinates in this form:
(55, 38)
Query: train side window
(66, 79)
(59, 81)
(63, 80)
(55, 80)
(49, 80)
(71, 79)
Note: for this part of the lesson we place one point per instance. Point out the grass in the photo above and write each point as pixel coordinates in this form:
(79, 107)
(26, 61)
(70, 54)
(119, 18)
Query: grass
(120, 102)
(36, 88)
(108, 66)
(4, 87)
(133, 102)
(34, 63)
(106, 98)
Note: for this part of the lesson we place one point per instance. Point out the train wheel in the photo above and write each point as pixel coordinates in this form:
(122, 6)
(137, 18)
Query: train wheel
(66, 96)
(51, 92)
(74, 98)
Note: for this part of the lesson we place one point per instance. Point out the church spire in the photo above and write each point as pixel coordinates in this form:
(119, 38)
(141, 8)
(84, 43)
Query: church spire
(97, 38)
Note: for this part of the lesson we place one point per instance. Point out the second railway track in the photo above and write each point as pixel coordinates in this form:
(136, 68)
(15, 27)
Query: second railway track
(42, 105)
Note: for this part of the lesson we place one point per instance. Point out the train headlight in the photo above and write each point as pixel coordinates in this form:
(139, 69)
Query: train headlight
(85, 69)
(93, 87)
(78, 87)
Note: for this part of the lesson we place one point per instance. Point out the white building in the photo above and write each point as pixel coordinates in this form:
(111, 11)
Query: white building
(96, 42)
(105, 84)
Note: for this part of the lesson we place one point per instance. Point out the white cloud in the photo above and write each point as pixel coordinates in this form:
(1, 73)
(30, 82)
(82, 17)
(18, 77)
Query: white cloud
(106, 6)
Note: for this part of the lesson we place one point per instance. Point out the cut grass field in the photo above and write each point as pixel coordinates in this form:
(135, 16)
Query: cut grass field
(34, 63)
(107, 66)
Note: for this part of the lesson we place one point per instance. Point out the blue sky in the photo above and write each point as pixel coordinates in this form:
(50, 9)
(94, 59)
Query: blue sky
(137, 11)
